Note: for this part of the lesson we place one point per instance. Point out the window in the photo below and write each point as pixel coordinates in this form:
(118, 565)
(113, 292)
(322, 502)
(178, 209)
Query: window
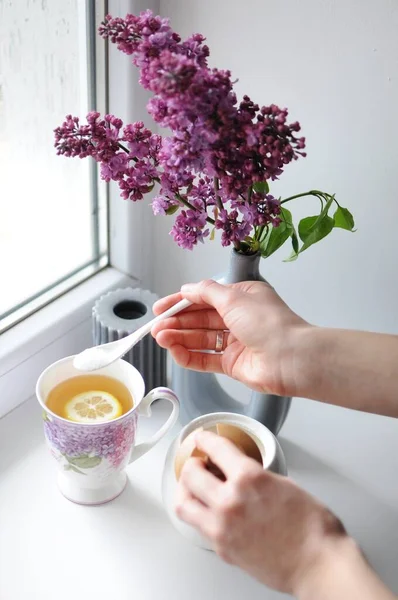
(53, 227)
(54, 218)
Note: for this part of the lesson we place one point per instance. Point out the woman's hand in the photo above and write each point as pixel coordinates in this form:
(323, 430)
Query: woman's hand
(271, 349)
(259, 521)
(260, 338)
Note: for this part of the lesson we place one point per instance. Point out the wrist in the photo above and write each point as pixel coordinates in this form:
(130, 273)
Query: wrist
(341, 572)
(306, 360)
(301, 360)
(338, 563)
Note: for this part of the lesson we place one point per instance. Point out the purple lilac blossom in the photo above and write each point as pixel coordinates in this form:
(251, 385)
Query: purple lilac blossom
(214, 140)
(189, 228)
(262, 210)
(232, 230)
(161, 205)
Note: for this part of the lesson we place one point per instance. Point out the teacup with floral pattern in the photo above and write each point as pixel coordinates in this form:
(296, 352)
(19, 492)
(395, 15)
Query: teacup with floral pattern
(92, 457)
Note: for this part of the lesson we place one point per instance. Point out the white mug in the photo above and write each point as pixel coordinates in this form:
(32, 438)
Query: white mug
(272, 457)
(92, 458)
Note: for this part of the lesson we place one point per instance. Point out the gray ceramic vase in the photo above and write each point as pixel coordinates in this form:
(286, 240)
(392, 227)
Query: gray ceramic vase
(200, 393)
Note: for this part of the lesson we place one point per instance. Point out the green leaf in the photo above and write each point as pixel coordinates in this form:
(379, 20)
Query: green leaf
(313, 229)
(287, 216)
(277, 236)
(84, 461)
(327, 206)
(255, 246)
(261, 187)
(264, 241)
(294, 256)
(343, 219)
(295, 251)
(295, 242)
(72, 468)
(306, 225)
(273, 241)
(172, 209)
(213, 233)
(45, 416)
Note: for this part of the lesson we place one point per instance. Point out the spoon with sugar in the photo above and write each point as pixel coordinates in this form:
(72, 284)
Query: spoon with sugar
(99, 357)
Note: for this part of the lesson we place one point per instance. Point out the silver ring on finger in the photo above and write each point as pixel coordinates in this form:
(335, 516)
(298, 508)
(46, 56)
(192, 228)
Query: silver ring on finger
(219, 341)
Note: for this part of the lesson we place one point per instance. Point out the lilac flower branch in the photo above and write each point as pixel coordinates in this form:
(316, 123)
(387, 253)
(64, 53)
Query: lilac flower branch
(320, 195)
(220, 156)
(192, 207)
(125, 150)
(217, 193)
(264, 233)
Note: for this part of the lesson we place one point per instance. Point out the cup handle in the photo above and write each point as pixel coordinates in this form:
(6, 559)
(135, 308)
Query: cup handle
(145, 410)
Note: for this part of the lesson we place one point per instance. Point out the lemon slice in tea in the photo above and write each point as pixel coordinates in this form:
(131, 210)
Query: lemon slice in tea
(93, 407)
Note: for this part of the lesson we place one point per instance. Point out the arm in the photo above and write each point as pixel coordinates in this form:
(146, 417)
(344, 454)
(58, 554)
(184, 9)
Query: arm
(345, 575)
(269, 527)
(271, 349)
(355, 369)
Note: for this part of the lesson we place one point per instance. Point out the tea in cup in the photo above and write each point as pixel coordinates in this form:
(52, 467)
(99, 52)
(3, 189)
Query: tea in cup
(262, 446)
(90, 424)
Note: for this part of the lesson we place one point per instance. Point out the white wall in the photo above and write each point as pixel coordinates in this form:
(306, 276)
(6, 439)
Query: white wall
(334, 65)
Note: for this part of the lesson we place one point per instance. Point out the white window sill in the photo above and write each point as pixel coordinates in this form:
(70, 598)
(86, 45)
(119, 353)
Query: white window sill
(59, 329)
(51, 548)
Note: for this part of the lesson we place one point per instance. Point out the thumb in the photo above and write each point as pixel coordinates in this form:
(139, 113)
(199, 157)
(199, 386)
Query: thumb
(210, 292)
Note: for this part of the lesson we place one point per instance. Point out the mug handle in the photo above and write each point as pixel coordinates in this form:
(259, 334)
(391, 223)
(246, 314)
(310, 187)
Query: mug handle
(144, 409)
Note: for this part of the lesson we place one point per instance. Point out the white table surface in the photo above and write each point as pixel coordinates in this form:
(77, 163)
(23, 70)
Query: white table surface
(51, 549)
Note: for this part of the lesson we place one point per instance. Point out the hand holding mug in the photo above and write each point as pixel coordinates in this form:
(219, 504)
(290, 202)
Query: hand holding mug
(257, 520)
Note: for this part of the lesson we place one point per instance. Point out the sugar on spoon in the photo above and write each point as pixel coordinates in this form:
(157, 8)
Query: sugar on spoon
(99, 357)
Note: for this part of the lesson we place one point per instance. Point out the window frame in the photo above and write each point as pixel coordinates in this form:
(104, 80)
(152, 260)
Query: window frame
(60, 329)
(130, 223)
(63, 326)
(94, 89)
